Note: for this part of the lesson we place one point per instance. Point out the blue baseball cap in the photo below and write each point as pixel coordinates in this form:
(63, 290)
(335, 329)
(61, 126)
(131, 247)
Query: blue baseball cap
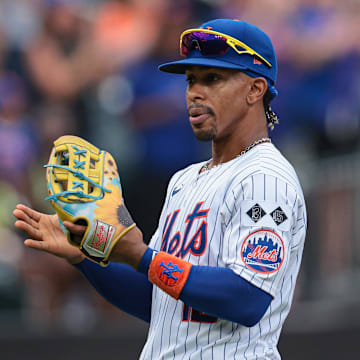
(248, 34)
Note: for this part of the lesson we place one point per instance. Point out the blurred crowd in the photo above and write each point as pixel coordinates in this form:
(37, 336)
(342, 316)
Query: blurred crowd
(89, 68)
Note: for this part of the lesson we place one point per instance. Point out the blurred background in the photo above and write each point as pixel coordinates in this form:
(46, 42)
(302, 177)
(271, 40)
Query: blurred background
(89, 68)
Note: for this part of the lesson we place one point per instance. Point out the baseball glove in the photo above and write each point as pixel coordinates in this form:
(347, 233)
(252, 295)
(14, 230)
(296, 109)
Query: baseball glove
(84, 188)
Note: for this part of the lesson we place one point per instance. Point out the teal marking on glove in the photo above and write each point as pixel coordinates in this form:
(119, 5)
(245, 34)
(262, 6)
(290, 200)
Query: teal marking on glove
(79, 164)
(68, 193)
(78, 184)
(81, 176)
(78, 151)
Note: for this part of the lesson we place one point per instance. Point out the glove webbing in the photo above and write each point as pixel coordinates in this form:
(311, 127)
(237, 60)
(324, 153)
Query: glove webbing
(81, 176)
(78, 193)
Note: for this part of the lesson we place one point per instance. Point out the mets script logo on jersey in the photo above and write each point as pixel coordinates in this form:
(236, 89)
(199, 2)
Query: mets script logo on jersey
(192, 240)
(263, 251)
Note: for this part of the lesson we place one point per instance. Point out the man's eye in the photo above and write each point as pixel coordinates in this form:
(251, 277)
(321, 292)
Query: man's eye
(212, 77)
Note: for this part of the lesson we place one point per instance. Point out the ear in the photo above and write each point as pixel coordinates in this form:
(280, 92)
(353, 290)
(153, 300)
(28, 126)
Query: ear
(257, 91)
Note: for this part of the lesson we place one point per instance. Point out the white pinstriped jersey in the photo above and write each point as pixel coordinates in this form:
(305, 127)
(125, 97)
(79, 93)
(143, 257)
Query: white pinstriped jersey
(249, 215)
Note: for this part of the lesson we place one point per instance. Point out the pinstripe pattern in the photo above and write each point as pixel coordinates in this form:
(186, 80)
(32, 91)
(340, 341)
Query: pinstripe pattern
(262, 176)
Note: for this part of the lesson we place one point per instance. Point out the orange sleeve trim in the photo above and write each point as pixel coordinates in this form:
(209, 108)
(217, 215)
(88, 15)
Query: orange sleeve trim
(169, 273)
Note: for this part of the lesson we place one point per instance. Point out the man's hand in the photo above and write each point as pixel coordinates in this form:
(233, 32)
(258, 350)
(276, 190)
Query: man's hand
(46, 234)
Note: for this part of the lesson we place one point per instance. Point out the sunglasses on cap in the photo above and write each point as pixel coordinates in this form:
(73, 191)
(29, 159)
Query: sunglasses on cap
(212, 43)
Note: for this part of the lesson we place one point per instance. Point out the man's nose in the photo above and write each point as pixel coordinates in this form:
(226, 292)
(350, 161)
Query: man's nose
(195, 92)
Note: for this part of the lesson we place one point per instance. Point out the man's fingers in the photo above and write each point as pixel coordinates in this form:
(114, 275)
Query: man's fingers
(38, 245)
(22, 215)
(30, 230)
(75, 229)
(29, 212)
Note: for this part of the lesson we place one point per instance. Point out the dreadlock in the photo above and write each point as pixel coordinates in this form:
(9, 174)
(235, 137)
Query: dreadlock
(271, 117)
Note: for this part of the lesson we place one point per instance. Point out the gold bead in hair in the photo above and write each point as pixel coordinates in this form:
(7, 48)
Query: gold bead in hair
(271, 117)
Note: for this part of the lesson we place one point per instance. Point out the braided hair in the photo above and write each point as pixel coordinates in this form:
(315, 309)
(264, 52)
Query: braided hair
(271, 117)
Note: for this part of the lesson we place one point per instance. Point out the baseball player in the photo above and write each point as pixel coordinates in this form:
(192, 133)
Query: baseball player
(218, 277)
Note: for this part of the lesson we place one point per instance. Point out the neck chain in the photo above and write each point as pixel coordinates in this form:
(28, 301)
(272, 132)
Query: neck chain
(252, 145)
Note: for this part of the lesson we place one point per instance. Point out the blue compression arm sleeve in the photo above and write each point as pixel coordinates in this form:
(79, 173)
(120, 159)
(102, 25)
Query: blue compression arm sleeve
(121, 285)
(220, 292)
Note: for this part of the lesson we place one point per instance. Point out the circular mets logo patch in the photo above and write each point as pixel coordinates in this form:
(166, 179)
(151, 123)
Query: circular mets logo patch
(263, 251)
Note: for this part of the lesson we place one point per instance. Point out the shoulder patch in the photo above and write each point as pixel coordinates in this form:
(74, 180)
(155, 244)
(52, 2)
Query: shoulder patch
(265, 215)
(256, 212)
(278, 215)
(263, 251)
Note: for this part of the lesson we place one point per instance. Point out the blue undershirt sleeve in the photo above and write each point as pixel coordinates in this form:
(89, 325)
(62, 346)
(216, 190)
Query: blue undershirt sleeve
(222, 293)
(121, 285)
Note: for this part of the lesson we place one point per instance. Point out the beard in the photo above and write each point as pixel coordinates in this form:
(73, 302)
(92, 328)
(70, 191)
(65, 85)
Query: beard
(205, 135)
(205, 132)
